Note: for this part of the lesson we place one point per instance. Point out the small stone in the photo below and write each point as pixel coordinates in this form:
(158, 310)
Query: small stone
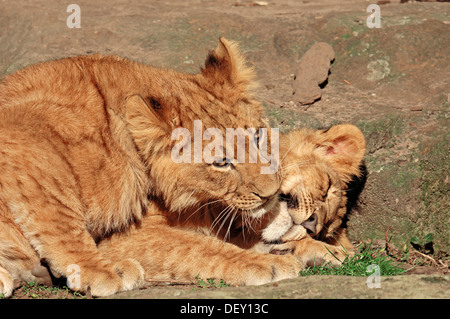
(312, 71)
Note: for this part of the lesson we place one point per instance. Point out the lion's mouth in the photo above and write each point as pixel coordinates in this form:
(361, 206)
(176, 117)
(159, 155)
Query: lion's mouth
(259, 211)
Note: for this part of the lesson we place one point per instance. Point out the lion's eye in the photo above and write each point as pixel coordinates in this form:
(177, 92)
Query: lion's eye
(284, 197)
(291, 201)
(222, 163)
(328, 187)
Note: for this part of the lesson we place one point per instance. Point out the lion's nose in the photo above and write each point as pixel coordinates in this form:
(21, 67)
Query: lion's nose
(311, 224)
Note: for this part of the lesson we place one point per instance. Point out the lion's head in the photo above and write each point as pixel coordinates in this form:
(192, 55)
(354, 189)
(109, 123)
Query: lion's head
(180, 131)
(316, 167)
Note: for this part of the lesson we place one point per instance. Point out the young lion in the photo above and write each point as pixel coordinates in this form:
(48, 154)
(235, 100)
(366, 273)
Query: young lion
(317, 167)
(313, 204)
(83, 156)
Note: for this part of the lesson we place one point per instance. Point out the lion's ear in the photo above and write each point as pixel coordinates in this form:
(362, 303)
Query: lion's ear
(226, 63)
(148, 129)
(343, 147)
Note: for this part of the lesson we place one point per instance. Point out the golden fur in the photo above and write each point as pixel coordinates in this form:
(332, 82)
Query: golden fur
(317, 167)
(310, 186)
(85, 152)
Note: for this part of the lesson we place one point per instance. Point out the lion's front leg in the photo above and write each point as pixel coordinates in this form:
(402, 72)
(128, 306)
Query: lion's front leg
(171, 253)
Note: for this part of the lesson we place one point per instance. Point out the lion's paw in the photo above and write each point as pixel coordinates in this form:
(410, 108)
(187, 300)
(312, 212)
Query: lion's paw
(6, 283)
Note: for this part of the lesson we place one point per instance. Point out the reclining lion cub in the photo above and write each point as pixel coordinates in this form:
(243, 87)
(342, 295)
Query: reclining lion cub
(82, 156)
(316, 168)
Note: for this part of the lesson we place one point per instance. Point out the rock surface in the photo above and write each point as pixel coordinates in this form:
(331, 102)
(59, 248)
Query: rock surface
(313, 69)
(341, 287)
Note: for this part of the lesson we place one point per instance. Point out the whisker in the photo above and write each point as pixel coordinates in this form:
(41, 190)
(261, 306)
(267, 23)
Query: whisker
(229, 225)
(250, 220)
(217, 219)
(246, 222)
(221, 215)
(224, 220)
(216, 201)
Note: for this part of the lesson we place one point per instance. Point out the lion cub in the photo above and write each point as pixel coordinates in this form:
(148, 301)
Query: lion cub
(317, 167)
(86, 151)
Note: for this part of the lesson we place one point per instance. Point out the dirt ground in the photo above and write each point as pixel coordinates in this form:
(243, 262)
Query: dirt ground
(393, 82)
